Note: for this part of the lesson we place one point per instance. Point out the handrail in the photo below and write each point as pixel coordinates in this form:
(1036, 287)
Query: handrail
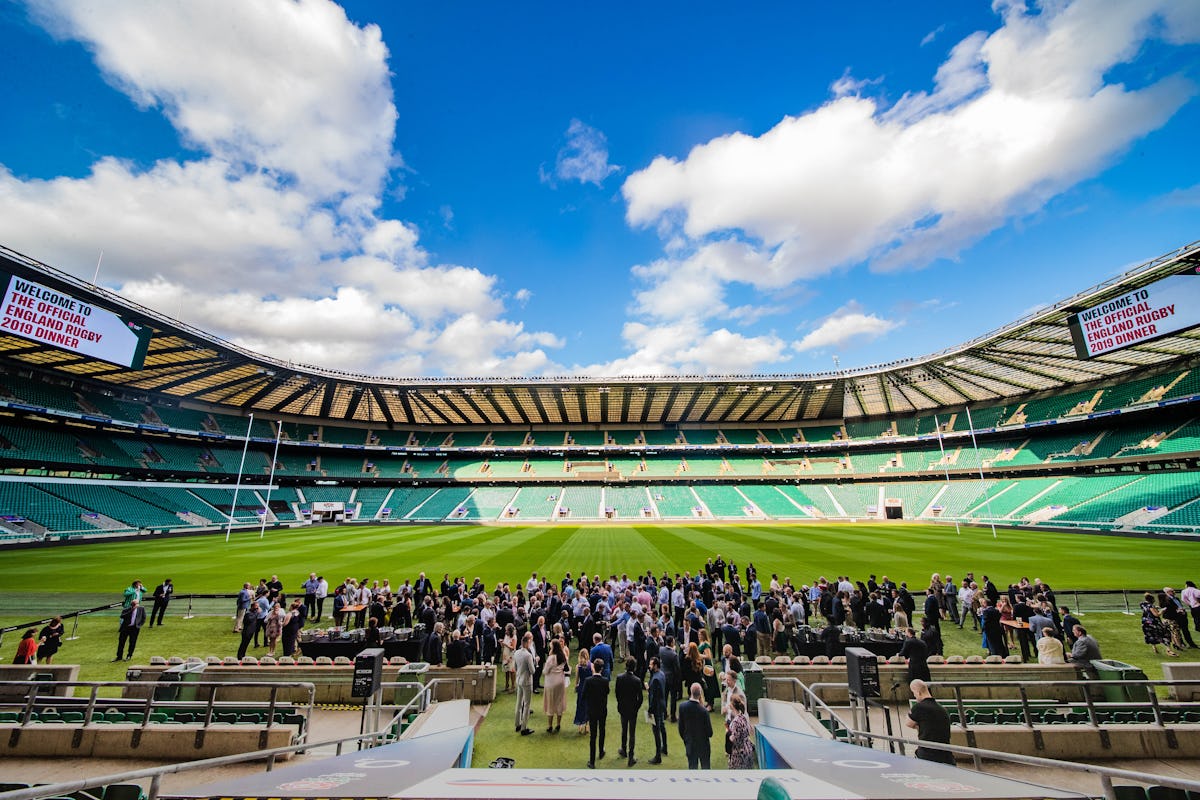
(381, 735)
(1086, 698)
(156, 773)
(810, 698)
(34, 700)
(1106, 773)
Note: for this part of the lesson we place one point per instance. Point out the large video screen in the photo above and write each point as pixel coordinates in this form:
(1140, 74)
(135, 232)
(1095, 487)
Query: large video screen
(41, 314)
(1162, 308)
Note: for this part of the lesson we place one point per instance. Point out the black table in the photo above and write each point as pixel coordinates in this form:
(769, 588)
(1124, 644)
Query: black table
(409, 649)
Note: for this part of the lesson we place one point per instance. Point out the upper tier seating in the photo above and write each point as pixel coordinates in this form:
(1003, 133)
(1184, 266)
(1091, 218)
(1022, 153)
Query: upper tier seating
(739, 435)
(873, 429)
(37, 393)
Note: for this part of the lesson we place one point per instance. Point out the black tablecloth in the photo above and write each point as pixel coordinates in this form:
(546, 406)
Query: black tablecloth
(409, 649)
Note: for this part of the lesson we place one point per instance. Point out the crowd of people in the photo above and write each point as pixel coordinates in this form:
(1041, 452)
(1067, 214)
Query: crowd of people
(675, 641)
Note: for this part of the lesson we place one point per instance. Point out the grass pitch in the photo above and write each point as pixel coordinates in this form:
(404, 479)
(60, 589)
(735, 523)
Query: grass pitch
(909, 552)
(36, 583)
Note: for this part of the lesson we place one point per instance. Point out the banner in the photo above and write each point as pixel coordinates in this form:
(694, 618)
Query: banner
(41, 314)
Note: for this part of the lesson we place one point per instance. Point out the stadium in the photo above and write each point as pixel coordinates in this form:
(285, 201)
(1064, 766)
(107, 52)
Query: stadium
(1014, 428)
(173, 437)
(447, 370)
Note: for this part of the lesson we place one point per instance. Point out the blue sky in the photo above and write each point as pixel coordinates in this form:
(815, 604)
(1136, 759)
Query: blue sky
(554, 189)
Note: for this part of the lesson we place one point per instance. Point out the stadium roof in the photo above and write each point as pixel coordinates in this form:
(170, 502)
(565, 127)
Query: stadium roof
(1031, 355)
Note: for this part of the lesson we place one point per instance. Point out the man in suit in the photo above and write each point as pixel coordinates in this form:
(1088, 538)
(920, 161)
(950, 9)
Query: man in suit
(524, 660)
(989, 620)
(431, 649)
(595, 697)
(668, 661)
(541, 648)
(162, 596)
(657, 709)
(602, 652)
(1022, 612)
(629, 702)
(245, 599)
(695, 728)
(132, 620)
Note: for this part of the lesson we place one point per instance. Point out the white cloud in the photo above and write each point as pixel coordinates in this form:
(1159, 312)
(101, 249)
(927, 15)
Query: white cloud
(930, 37)
(848, 323)
(291, 87)
(272, 239)
(685, 347)
(584, 157)
(1015, 118)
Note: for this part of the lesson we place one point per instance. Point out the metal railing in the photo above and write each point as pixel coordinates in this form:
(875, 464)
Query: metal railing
(384, 734)
(1105, 774)
(812, 702)
(1086, 696)
(35, 700)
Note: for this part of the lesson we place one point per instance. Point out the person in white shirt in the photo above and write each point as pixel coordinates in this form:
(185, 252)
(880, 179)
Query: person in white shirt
(322, 593)
(1050, 648)
(1191, 599)
(797, 609)
(966, 599)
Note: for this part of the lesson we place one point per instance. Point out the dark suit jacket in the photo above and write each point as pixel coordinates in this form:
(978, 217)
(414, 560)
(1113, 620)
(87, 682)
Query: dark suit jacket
(668, 661)
(732, 638)
(658, 694)
(629, 694)
(133, 617)
(540, 640)
(431, 650)
(695, 726)
(595, 696)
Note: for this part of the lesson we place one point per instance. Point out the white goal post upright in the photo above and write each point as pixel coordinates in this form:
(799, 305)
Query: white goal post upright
(987, 495)
(237, 487)
(271, 480)
(946, 466)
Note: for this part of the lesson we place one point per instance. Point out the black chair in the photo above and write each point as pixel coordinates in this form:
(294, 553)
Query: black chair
(1129, 792)
(1166, 793)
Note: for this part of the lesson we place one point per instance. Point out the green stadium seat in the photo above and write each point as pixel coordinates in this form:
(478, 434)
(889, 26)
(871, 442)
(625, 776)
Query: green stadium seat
(124, 791)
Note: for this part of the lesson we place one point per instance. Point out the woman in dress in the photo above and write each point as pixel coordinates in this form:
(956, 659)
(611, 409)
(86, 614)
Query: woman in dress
(712, 689)
(1153, 630)
(739, 744)
(508, 646)
(51, 637)
(1168, 633)
(1006, 614)
(274, 627)
(899, 617)
(554, 686)
(691, 670)
(779, 636)
(583, 671)
(26, 649)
